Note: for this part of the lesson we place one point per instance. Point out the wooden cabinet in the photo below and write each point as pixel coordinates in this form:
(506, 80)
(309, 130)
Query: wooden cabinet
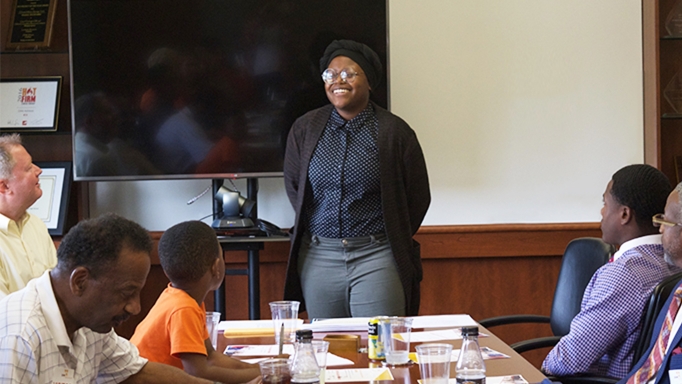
(662, 61)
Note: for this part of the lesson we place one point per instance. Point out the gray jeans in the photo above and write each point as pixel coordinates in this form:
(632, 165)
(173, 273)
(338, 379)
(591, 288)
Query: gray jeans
(354, 277)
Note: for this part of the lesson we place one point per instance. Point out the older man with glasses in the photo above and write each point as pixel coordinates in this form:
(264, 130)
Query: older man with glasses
(603, 335)
(662, 363)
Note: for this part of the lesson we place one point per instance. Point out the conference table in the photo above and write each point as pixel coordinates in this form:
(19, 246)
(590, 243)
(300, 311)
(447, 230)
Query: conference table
(409, 374)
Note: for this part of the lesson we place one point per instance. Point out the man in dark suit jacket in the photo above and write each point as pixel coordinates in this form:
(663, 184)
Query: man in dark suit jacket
(671, 229)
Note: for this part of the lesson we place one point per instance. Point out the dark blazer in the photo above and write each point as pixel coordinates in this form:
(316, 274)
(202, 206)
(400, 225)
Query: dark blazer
(672, 359)
(405, 194)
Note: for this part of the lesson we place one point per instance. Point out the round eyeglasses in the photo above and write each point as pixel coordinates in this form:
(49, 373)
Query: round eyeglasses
(330, 76)
(658, 221)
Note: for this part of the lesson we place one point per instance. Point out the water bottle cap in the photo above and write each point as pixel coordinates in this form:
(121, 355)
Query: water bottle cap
(469, 331)
(304, 334)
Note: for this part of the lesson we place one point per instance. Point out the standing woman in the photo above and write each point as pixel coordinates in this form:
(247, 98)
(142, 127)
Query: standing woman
(356, 177)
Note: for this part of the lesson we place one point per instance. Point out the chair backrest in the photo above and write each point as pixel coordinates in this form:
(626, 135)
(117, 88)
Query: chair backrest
(658, 298)
(582, 257)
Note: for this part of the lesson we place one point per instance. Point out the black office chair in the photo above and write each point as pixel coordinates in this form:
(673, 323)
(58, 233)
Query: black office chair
(582, 257)
(658, 298)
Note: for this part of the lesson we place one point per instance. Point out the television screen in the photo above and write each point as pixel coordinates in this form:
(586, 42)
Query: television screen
(202, 88)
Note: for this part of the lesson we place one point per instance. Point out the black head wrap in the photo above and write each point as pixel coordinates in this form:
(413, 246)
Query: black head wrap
(366, 58)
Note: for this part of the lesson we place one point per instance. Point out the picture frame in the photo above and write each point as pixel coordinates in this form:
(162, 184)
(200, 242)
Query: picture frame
(30, 104)
(31, 24)
(52, 206)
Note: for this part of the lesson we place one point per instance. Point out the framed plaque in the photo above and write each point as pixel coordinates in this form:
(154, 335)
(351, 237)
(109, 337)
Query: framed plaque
(31, 24)
(55, 181)
(29, 104)
(673, 23)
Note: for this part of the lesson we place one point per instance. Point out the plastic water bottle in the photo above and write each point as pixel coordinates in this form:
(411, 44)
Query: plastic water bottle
(304, 368)
(470, 366)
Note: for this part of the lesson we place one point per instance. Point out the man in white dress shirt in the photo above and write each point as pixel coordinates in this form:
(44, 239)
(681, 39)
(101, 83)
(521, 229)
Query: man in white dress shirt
(26, 248)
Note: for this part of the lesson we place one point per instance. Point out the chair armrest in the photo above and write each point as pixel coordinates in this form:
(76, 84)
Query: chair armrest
(583, 379)
(513, 319)
(540, 342)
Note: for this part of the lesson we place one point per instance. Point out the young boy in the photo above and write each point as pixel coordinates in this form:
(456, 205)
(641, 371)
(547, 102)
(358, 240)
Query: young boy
(174, 332)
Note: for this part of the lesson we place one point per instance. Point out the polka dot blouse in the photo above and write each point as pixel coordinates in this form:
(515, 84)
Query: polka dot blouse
(344, 178)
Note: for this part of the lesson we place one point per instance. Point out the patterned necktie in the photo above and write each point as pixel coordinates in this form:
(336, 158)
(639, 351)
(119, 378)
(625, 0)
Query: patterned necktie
(653, 362)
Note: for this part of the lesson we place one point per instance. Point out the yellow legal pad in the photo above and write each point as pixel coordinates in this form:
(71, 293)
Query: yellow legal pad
(234, 328)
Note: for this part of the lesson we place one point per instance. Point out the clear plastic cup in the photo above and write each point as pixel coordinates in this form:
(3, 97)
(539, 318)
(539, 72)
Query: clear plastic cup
(284, 313)
(321, 349)
(434, 362)
(275, 371)
(212, 321)
(397, 347)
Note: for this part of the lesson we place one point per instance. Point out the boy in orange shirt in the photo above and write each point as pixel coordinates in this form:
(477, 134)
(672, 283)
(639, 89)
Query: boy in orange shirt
(174, 332)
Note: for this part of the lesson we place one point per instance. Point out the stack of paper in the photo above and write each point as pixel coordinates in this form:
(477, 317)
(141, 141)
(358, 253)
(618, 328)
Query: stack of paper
(360, 374)
(250, 327)
(357, 324)
(511, 379)
(348, 324)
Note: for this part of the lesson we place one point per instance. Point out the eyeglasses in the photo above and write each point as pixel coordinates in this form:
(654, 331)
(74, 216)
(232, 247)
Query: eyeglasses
(330, 76)
(658, 220)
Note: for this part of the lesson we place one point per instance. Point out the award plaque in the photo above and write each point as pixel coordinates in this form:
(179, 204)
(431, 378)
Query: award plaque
(52, 206)
(31, 24)
(673, 93)
(29, 104)
(673, 23)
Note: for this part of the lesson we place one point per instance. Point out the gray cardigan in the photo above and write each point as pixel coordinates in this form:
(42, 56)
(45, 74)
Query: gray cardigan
(405, 195)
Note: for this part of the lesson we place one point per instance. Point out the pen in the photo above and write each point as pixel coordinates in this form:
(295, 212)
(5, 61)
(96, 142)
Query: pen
(281, 339)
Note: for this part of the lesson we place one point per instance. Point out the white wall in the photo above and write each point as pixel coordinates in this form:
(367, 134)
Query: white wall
(524, 110)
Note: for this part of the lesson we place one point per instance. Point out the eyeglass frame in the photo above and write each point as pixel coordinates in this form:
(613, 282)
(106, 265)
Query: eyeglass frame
(657, 220)
(346, 78)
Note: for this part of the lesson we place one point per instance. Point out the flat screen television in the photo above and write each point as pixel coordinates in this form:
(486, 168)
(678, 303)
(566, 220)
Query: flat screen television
(173, 89)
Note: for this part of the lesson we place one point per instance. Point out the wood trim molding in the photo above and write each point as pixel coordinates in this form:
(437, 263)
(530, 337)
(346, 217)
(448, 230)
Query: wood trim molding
(463, 241)
(501, 240)
(651, 83)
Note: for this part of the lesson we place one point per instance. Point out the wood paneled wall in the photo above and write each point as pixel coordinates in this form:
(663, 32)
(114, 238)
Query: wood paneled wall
(483, 270)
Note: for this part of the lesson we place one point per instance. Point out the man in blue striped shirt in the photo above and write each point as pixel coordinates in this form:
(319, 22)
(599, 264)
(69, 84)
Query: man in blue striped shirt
(603, 334)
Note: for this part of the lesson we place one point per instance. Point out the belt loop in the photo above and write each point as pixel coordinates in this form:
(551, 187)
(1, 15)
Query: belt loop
(315, 240)
(372, 239)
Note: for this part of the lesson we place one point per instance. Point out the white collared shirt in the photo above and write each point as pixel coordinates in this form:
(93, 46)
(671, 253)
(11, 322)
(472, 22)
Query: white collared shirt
(636, 242)
(26, 251)
(35, 347)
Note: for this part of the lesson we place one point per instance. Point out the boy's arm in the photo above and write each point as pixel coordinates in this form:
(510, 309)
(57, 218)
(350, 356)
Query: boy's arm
(162, 373)
(218, 367)
(221, 360)
(198, 365)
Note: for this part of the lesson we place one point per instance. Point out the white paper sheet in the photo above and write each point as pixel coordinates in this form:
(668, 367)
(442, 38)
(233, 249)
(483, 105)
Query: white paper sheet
(332, 360)
(257, 350)
(356, 324)
(511, 379)
(250, 324)
(442, 321)
(443, 334)
(361, 374)
(346, 324)
(488, 354)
